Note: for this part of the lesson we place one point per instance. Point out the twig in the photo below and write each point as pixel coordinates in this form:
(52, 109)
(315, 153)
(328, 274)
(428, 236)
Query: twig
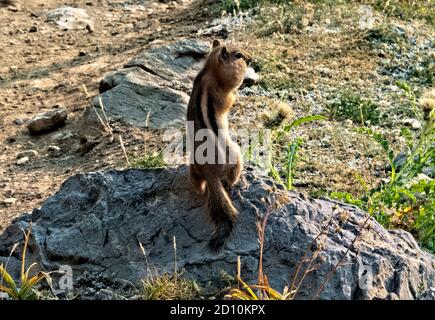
(301, 263)
(175, 255)
(261, 232)
(123, 149)
(328, 277)
(106, 126)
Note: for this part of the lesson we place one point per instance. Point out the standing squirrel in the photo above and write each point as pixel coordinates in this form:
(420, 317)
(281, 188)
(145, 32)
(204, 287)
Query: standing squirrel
(212, 97)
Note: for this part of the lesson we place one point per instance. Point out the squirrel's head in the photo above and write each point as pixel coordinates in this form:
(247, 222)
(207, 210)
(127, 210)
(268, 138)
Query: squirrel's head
(229, 64)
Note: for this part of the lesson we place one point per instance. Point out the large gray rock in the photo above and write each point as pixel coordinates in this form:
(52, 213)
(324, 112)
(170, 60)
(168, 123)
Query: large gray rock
(135, 93)
(157, 82)
(96, 221)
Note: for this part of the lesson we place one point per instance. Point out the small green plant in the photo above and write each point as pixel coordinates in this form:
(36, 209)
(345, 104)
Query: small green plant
(425, 71)
(407, 199)
(237, 5)
(409, 9)
(247, 292)
(352, 106)
(291, 151)
(384, 34)
(264, 291)
(154, 160)
(25, 289)
(170, 286)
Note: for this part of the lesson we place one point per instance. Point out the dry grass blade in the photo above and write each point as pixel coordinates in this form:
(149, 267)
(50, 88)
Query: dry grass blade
(105, 124)
(334, 269)
(294, 288)
(123, 150)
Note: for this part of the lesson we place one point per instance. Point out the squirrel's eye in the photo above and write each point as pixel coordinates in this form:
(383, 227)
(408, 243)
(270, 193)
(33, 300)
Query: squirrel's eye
(239, 55)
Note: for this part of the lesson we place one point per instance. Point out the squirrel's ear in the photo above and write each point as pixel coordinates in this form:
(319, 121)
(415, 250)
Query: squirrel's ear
(224, 52)
(216, 43)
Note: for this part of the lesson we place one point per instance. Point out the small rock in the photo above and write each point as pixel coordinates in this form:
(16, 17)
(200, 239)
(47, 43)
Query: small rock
(27, 153)
(90, 27)
(5, 180)
(53, 149)
(348, 123)
(19, 122)
(58, 106)
(47, 121)
(14, 8)
(9, 201)
(61, 136)
(22, 161)
(33, 29)
(4, 296)
(68, 18)
(82, 53)
(428, 295)
(10, 140)
(413, 123)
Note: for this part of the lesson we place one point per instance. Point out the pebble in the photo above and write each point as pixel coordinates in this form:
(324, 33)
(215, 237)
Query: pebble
(61, 136)
(53, 149)
(9, 201)
(27, 153)
(23, 161)
(413, 123)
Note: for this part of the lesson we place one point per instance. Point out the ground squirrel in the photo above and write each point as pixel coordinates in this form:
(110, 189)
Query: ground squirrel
(212, 97)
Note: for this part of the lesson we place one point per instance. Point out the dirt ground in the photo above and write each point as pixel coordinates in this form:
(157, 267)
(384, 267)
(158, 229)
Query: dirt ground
(49, 67)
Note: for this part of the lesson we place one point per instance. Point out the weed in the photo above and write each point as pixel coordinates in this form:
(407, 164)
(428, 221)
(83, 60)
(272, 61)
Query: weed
(427, 103)
(281, 113)
(306, 265)
(384, 34)
(24, 290)
(291, 150)
(406, 200)
(352, 106)
(410, 9)
(154, 160)
(169, 286)
(425, 71)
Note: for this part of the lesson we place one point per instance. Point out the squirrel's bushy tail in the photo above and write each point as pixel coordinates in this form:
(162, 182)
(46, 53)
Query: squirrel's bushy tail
(222, 213)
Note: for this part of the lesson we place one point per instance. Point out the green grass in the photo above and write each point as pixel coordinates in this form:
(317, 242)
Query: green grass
(425, 72)
(154, 160)
(350, 105)
(385, 34)
(401, 9)
(406, 9)
(170, 286)
(282, 165)
(236, 5)
(407, 199)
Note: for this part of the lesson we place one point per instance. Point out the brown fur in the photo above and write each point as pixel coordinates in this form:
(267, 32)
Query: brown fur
(212, 97)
